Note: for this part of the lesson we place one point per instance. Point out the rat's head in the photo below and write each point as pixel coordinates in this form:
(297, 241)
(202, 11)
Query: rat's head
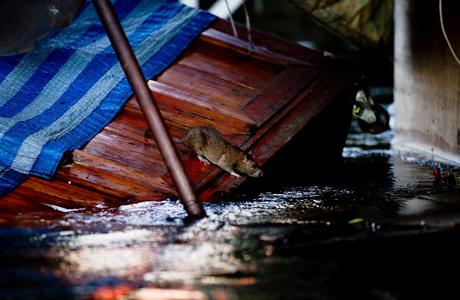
(250, 167)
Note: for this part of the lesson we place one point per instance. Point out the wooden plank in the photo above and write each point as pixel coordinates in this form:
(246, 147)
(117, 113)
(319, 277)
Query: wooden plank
(128, 152)
(188, 116)
(20, 211)
(225, 40)
(201, 83)
(113, 178)
(62, 194)
(203, 105)
(231, 66)
(282, 89)
(275, 44)
(16, 204)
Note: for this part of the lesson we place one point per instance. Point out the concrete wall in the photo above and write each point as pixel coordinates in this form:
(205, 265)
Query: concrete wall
(427, 79)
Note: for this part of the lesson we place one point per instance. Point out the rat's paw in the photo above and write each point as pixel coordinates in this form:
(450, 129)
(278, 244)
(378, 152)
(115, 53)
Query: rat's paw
(203, 160)
(235, 175)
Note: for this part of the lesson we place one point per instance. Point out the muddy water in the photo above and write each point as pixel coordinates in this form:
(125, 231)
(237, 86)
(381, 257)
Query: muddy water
(377, 227)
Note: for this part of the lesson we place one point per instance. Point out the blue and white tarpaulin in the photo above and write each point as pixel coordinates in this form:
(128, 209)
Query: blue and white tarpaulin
(60, 95)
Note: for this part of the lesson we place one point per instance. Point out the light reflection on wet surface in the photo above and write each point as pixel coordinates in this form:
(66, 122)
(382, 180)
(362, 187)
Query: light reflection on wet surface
(369, 225)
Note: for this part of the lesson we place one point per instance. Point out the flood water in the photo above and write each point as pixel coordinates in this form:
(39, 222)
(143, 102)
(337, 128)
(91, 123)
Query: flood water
(379, 226)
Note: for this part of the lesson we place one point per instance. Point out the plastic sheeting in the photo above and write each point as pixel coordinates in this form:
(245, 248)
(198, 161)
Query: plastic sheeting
(60, 95)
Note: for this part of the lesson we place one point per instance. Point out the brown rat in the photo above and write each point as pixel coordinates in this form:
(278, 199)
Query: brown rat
(210, 146)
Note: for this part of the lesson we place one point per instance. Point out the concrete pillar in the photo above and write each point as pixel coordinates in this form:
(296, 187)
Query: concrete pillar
(427, 79)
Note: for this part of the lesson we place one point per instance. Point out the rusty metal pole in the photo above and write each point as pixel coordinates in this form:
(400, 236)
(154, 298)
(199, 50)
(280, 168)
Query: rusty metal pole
(149, 107)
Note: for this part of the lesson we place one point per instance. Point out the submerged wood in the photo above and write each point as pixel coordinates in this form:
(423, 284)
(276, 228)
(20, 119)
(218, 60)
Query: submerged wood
(258, 98)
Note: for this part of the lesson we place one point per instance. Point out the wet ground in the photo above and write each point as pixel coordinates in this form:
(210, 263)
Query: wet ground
(379, 227)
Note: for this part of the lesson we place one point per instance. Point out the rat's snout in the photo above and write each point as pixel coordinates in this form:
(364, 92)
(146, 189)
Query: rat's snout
(257, 173)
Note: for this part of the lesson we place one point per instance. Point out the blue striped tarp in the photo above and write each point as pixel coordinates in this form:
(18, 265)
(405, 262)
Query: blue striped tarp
(60, 95)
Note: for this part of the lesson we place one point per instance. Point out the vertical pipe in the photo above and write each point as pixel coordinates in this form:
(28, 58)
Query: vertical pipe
(149, 107)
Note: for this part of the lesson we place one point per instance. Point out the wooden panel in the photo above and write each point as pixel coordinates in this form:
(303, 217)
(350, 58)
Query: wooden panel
(259, 98)
(278, 92)
(145, 157)
(230, 66)
(225, 40)
(277, 46)
(60, 193)
(202, 83)
(113, 178)
(201, 104)
(16, 210)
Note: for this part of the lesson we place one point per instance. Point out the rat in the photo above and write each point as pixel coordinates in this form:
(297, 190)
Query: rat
(210, 146)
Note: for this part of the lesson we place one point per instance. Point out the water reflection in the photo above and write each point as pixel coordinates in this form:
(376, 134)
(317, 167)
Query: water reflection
(416, 206)
(294, 239)
(122, 254)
